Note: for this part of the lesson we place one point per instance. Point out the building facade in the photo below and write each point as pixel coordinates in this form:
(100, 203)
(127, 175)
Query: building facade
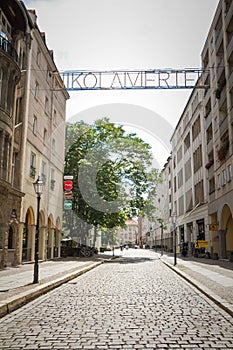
(189, 187)
(13, 29)
(128, 234)
(201, 188)
(32, 138)
(217, 58)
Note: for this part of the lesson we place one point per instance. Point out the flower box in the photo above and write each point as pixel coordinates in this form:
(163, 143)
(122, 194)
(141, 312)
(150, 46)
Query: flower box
(210, 163)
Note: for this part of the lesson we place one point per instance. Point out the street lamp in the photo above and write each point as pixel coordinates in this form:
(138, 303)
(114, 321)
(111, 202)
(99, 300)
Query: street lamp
(162, 245)
(38, 187)
(174, 237)
(175, 245)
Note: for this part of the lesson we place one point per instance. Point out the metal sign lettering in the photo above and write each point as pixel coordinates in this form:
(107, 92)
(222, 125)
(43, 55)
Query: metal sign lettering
(134, 79)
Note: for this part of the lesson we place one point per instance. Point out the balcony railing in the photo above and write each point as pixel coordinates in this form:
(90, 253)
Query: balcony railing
(6, 46)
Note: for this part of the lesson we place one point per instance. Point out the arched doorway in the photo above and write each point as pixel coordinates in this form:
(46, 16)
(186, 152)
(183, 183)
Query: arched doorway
(27, 236)
(227, 231)
(57, 242)
(50, 238)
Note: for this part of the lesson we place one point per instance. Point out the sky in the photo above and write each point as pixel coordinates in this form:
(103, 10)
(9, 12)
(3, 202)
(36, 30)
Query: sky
(127, 34)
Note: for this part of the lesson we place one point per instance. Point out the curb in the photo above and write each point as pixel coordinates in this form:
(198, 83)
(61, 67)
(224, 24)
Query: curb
(14, 303)
(223, 304)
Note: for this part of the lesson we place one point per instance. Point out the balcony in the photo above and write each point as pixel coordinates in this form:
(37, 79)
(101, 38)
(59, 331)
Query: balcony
(8, 48)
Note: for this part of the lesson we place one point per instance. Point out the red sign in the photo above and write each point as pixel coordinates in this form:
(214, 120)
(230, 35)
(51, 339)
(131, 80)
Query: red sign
(68, 195)
(68, 185)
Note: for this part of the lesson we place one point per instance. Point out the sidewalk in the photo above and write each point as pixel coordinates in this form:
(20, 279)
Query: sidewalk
(214, 278)
(17, 289)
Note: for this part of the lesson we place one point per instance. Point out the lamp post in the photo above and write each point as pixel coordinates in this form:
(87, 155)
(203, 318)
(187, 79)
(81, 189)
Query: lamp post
(38, 187)
(174, 244)
(174, 237)
(162, 245)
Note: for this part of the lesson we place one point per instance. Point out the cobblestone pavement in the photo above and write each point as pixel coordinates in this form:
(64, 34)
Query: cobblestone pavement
(134, 302)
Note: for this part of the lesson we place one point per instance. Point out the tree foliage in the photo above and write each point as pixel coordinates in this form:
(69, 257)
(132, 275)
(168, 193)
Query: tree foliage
(113, 175)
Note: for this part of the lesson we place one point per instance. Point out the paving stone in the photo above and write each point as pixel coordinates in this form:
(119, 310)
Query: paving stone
(135, 303)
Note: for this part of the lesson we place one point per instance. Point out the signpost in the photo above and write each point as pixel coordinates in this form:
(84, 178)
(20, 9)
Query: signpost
(68, 194)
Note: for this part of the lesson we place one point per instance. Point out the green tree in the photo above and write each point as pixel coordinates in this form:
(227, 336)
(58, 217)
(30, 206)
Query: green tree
(113, 176)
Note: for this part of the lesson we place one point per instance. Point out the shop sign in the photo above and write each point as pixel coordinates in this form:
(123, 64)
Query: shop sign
(201, 244)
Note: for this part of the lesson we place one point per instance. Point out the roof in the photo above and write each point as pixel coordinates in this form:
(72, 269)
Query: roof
(131, 222)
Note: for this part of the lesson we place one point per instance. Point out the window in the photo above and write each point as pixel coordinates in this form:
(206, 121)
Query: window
(181, 205)
(174, 162)
(189, 200)
(52, 184)
(224, 177)
(53, 146)
(199, 192)
(209, 134)
(17, 110)
(54, 117)
(188, 171)
(196, 128)
(180, 178)
(45, 135)
(46, 105)
(229, 172)
(5, 28)
(197, 158)
(38, 57)
(211, 185)
(179, 154)
(33, 165)
(187, 142)
(44, 172)
(36, 89)
(174, 184)
(218, 181)
(34, 125)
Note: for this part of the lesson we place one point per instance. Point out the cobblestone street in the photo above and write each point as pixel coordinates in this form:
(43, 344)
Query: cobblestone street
(133, 302)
